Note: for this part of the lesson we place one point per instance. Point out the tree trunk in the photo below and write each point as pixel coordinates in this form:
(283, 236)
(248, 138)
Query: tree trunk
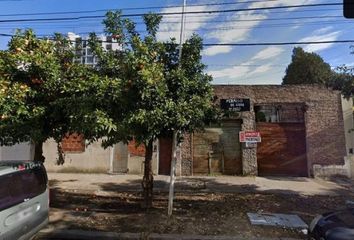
(148, 179)
(38, 152)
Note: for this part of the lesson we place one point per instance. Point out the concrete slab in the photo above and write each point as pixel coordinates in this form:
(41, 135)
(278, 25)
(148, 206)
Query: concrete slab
(277, 220)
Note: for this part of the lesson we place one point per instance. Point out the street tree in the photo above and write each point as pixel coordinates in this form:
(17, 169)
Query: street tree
(159, 94)
(307, 68)
(44, 94)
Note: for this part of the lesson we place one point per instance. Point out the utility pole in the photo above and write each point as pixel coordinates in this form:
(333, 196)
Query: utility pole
(176, 132)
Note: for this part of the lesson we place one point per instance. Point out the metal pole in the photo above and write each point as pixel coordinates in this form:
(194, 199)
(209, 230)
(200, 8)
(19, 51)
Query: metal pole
(181, 37)
(172, 174)
(175, 133)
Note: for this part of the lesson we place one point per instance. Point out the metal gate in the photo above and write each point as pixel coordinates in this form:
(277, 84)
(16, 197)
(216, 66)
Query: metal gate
(218, 150)
(282, 150)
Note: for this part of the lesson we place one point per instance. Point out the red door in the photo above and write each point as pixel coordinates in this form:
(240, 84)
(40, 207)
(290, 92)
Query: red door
(282, 150)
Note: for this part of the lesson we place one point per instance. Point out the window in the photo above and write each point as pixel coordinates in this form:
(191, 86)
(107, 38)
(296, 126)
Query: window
(89, 60)
(109, 39)
(88, 51)
(18, 186)
(78, 52)
(280, 112)
(109, 46)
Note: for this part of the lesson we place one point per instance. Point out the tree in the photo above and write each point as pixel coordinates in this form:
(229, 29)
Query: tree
(307, 68)
(343, 80)
(158, 96)
(45, 95)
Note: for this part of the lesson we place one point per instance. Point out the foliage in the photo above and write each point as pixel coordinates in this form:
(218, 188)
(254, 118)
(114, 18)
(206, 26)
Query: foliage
(158, 96)
(343, 80)
(260, 117)
(159, 93)
(307, 68)
(44, 94)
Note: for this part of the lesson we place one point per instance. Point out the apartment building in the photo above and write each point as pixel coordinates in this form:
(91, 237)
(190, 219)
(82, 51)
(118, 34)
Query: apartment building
(84, 53)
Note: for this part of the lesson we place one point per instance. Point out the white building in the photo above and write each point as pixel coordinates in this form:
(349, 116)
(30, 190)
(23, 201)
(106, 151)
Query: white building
(85, 55)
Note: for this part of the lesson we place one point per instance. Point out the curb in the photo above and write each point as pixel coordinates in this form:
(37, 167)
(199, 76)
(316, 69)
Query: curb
(94, 235)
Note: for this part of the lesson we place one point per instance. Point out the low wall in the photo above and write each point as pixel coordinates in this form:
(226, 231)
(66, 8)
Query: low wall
(346, 170)
(94, 159)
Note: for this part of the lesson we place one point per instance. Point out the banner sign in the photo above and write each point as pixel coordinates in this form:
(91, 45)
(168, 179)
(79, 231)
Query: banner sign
(235, 104)
(250, 136)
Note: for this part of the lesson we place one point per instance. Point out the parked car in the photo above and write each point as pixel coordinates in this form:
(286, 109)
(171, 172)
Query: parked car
(337, 225)
(24, 199)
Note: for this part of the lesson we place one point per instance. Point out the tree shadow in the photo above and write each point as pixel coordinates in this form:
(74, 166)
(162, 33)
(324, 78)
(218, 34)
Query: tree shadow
(202, 206)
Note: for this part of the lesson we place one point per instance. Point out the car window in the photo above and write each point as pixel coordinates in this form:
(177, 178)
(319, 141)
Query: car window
(19, 186)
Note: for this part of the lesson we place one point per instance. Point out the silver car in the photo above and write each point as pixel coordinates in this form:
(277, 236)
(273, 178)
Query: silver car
(24, 199)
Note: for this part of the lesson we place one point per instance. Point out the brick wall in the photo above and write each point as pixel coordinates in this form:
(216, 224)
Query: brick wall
(136, 150)
(323, 116)
(73, 143)
(186, 155)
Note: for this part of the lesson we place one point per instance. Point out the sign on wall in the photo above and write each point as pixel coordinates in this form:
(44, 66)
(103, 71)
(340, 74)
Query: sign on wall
(236, 104)
(250, 136)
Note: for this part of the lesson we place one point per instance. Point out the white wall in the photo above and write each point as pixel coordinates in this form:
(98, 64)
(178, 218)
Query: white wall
(93, 159)
(21, 151)
(347, 107)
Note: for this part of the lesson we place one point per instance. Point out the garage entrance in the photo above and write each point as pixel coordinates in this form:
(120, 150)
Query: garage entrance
(282, 150)
(218, 150)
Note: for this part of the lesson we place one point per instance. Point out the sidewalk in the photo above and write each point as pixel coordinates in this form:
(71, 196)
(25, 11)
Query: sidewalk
(109, 184)
(107, 206)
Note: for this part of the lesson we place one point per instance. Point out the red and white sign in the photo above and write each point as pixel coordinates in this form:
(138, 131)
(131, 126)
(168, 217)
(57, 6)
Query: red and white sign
(250, 136)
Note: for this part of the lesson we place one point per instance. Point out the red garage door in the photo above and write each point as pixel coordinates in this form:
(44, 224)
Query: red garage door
(282, 150)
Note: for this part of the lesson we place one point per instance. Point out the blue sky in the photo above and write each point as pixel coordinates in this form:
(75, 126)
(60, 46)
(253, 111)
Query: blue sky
(228, 65)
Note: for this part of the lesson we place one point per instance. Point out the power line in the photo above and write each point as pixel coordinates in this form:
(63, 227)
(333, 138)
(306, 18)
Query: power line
(242, 44)
(275, 43)
(175, 13)
(259, 19)
(131, 8)
(258, 65)
(230, 20)
(225, 28)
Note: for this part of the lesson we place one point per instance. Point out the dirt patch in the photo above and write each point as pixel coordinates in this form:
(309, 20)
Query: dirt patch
(194, 213)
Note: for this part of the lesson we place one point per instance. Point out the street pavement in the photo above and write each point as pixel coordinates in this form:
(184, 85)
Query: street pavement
(50, 234)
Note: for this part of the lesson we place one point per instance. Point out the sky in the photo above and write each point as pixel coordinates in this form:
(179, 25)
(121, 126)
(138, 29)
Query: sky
(227, 64)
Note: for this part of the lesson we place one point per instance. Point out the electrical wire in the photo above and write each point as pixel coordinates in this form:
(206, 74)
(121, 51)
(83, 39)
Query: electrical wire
(174, 13)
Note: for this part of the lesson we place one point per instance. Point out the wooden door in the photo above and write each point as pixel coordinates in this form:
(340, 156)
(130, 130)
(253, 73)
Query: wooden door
(217, 150)
(282, 150)
(165, 154)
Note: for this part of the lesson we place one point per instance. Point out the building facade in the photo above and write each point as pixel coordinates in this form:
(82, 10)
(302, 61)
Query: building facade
(84, 53)
(305, 131)
(301, 127)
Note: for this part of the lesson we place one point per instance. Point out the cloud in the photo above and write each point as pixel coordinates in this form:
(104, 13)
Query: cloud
(260, 69)
(171, 25)
(324, 36)
(267, 53)
(211, 51)
(231, 72)
(227, 32)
